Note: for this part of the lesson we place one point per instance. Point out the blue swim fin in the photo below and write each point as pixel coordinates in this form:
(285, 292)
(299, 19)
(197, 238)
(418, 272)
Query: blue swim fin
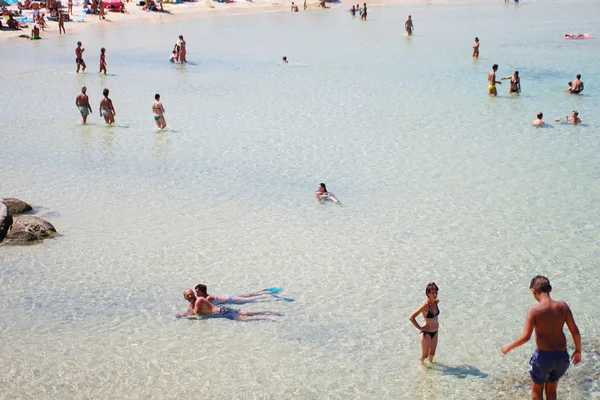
(283, 297)
(273, 289)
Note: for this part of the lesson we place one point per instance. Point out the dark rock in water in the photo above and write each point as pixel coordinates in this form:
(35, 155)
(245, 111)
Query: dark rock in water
(26, 228)
(6, 220)
(16, 206)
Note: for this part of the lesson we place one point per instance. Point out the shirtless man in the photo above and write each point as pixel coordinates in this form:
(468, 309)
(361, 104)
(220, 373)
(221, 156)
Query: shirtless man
(550, 359)
(492, 80)
(574, 118)
(201, 291)
(79, 57)
(106, 108)
(576, 85)
(408, 26)
(202, 307)
(83, 103)
(159, 110)
(538, 121)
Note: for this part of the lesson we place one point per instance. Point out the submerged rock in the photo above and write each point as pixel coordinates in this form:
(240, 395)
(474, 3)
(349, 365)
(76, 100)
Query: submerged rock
(16, 206)
(26, 228)
(5, 220)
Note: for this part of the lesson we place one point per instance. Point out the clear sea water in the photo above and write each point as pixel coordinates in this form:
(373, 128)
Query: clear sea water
(438, 182)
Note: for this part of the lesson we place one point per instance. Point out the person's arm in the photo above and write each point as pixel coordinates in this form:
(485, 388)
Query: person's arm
(413, 316)
(77, 101)
(525, 336)
(576, 356)
(112, 108)
(100, 108)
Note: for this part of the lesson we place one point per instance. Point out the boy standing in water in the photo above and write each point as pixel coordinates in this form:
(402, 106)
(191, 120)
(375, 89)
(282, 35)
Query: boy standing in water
(550, 359)
(79, 57)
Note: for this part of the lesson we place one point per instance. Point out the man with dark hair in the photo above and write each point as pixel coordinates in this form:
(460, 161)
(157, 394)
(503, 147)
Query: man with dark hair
(158, 110)
(202, 291)
(576, 85)
(550, 359)
(492, 80)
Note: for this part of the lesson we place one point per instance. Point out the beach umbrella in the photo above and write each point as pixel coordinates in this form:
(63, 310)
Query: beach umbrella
(4, 3)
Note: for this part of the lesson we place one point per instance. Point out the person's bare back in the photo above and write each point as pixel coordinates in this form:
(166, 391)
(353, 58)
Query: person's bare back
(550, 318)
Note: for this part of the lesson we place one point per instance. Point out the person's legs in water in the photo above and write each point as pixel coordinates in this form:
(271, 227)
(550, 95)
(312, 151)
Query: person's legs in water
(425, 345)
(550, 390)
(434, 342)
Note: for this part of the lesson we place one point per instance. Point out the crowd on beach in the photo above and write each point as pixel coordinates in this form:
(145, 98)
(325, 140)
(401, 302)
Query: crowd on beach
(550, 360)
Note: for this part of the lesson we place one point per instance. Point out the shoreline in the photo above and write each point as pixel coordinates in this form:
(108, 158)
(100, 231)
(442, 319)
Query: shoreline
(177, 12)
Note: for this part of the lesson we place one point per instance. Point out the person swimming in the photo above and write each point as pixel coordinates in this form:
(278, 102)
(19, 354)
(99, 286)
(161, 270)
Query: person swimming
(284, 60)
(323, 195)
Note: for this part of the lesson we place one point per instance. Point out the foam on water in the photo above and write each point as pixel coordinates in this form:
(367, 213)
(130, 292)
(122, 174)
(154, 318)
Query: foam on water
(439, 182)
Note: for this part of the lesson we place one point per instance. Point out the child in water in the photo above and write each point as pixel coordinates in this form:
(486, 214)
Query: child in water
(173, 56)
(102, 60)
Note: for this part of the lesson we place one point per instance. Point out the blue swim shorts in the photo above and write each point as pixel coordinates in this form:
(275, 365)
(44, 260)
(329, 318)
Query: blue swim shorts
(226, 312)
(548, 366)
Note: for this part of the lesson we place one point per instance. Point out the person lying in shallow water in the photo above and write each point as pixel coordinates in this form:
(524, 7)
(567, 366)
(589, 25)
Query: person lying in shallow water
(202, 291)
(199, 306)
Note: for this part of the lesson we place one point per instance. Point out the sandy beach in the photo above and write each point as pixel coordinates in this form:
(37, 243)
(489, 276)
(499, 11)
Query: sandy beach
(174, 12)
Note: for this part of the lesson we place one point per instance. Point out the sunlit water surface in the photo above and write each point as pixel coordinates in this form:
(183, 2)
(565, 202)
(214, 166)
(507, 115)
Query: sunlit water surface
(438, 182)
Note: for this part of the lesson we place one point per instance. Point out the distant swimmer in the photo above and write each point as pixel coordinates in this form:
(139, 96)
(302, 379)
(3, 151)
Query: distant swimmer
(323, 195)
(353, 11)
(538, 121)
(363, 16)
(430, 311)
(158, 110)
(102, 60)
(83, 104)
(201, 291)
(550, 359)
(284, 60)
(573, 119)
(200, 306)
(576, 85)
(107, 110)
(492, 80)
(476, 48)
(515, 82)
(408, 26)
(79, 57)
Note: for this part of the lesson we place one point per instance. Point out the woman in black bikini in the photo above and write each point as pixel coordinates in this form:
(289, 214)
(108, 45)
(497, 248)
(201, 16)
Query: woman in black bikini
(430, 311)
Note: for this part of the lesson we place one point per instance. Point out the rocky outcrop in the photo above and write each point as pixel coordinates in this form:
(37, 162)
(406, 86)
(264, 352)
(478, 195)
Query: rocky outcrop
(16, 206)
(27, 228)
(5, 220)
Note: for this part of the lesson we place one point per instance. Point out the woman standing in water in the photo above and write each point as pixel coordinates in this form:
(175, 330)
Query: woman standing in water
(430, 311)
(107, 110)
(476, 48)
(515, 82)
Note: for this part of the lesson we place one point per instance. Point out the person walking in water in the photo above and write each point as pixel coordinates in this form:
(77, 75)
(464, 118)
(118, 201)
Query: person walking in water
(82, 102)
(476, 48)
(429, 332)
(158, 110)
(363, 16)
(199, 306)
(550, 359)
(408, 26)
(492, 81)
(79, 57)
(107, 110)
(102, 60)
(61, 23)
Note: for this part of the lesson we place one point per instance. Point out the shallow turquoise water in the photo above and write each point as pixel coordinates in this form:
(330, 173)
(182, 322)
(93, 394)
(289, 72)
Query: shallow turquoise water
(439, 182)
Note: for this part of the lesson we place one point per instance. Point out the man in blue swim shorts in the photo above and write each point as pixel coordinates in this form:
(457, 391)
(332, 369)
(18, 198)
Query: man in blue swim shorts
(550, 359)
(201, 291)
(199, 306)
